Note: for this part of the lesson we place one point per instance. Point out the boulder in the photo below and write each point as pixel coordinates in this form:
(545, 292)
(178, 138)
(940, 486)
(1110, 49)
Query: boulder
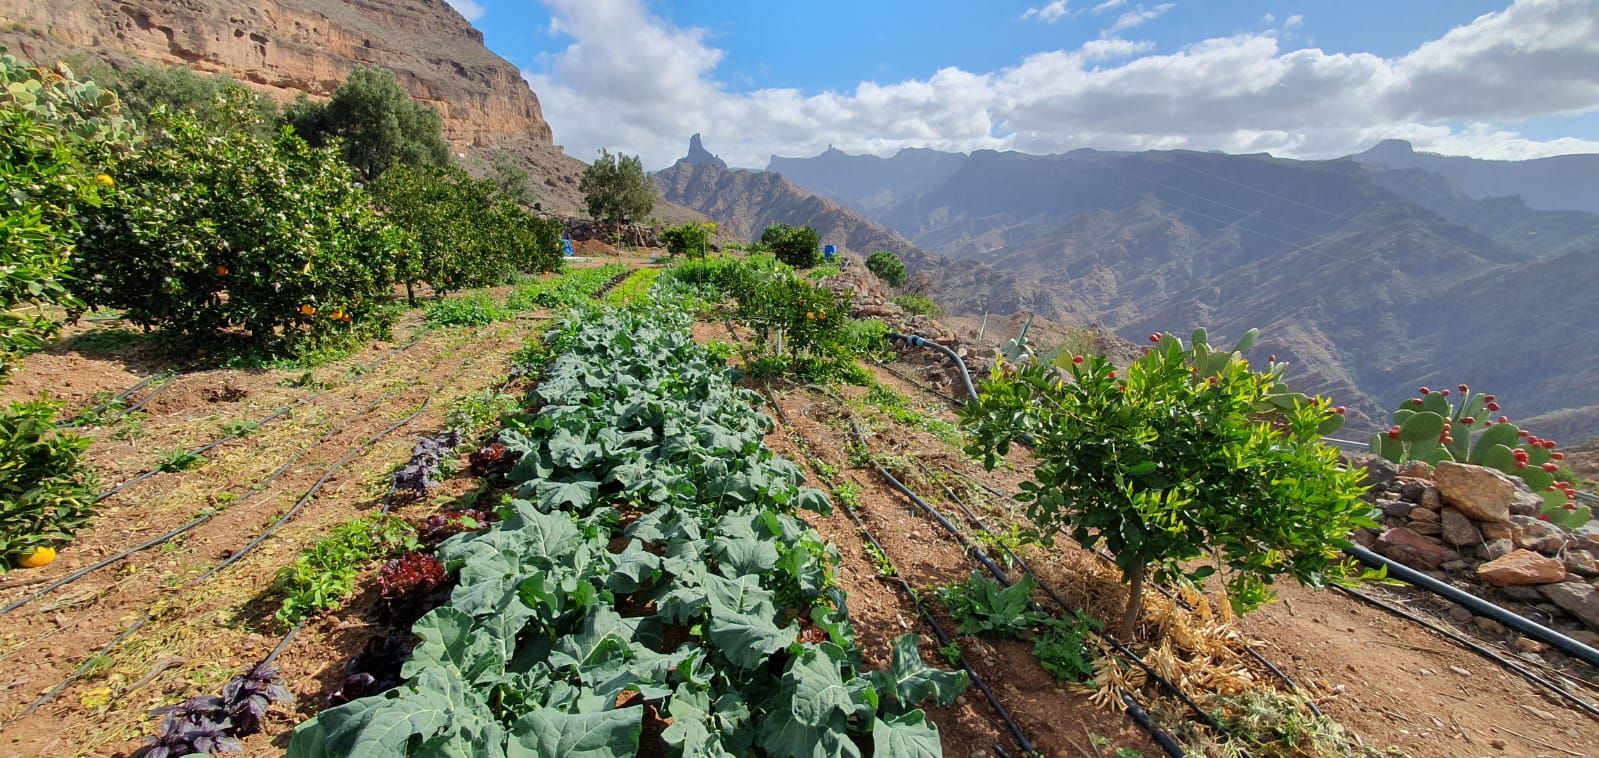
(1427, 528)
(1379, 470)
(1496, 549)
(1410, 548)
(1481, 493)
(1579, 599)
(1395, 508)
(1581, 563)
(1539, 535)
(1416, 470)
(1430, 499)
(1521, 568)
(1458, 530)
(1526, 504)
(1496, 531)
(1422, 513)
(1409, 489)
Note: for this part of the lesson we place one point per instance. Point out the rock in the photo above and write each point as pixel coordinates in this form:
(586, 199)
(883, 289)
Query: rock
(1395, 508)
(1496, 531)
(1522, 594)
(1410, 489)
(1497, 549)
(1364, 537)
(1379, 470)
(1416, 470)
(1587, 536)
(1428, 528)
(1422, 513)
(1581, 563)
(1410, 548)
(1460, 614)
(1526, 504)
(1453, 566)
(1458, 530)
(1579, 599)
(1481, 493)
(1528, 645)
(1488, 626)
(1539, 535)
(1431, 500)
(1521, 568)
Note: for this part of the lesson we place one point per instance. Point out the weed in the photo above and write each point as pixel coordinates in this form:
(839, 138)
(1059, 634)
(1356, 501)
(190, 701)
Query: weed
(951, 653)
(920, 305)
(130, 426)
(241, 428)
(467, 310)
(472, 413)
(884, 566)
(982, 606)
(324, 575)
(849, 495)
(178, 459)
(1063, 650)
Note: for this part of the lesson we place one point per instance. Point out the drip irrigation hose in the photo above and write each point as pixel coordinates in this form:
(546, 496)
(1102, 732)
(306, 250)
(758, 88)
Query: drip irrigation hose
(119, 397)
(915, 341)
(151, 395)
(942, 636)
(192, 524)
(281, 412)
(908, 379)
(231, 559)
(1476, 647)
(283, 644)
(1158, 734)
(1477, 605)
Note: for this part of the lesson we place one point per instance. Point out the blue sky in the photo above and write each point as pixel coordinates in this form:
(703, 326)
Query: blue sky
(791, 77)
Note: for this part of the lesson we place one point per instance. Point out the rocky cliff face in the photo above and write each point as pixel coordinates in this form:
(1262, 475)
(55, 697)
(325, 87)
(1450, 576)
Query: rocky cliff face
(289, 47)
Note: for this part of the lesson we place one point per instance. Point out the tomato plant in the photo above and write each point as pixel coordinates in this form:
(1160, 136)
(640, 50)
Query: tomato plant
(1190, 456)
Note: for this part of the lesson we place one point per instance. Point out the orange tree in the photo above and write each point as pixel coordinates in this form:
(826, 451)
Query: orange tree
(1192, 456)
(210, 230)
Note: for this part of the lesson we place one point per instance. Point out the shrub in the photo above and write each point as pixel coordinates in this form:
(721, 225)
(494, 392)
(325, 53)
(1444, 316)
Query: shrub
(145, 88)
(210, 231)
(467, 236)
(796, 246)
(1192, 455)
(375, 123)
(46, 493)
(467, 310)
(920, 305)
(53, 129)
(616, 189)
(689, 239)
(887, 266)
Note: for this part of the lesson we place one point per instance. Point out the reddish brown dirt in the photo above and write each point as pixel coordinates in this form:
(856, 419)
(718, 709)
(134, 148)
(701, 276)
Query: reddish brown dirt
(215, 629)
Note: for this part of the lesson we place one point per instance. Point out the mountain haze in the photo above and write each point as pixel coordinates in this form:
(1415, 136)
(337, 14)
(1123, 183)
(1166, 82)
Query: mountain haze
(1560, 182)
(1373, 280)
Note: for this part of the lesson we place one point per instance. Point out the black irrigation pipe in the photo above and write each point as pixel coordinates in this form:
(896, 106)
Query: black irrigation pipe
(119, 397)
(1474, 646)
(231, 559)
(1161, 737)
(283, 644)
(151, 395)
(953, 403)
(1250, 651)
(193, 523)
(943, 637)
(281, 412)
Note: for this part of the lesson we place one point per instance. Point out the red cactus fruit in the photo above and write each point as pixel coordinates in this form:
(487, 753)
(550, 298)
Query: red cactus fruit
(1504, 419)
(1489, 398)
(1543, 517)
(1445, 393)
(1468, 420)
(1549, 444)
(1077, 359)
(1557, 456)
(1113, 375)
(1521, 464)
(1415, 401)
(1154, 337)
(1550, 467)
(1340, 410)
(1393, 433)
(1424, 390)
(1272, 358)
(1492, 407)
(1464, 389)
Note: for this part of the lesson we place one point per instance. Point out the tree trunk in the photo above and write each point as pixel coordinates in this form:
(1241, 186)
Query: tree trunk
(410, 297)
(1135, 604)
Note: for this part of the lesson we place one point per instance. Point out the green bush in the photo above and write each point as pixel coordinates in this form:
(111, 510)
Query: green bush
(146, 87)
(689, 239)
(467, 310)
(466, 234)
(1191, 456)
(920, 305)
(53, 129)
(796, 246)
(887, 266)
(46, 493)
(375, 123)
(211, 231)
(616, 189)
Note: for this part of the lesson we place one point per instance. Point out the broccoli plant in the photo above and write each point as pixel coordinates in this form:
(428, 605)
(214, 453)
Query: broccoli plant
(1190, 456)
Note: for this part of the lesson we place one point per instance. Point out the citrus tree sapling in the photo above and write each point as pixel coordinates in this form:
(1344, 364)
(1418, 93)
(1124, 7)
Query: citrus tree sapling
(1189, 456)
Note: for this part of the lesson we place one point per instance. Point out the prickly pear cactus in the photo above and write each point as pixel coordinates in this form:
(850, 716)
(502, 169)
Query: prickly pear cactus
(79, 109)
(1433, 427)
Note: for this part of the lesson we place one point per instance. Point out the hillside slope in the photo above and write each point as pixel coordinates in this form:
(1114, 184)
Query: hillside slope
(743, 203)
(286, 48)
(1560, 182)
(1371, 280)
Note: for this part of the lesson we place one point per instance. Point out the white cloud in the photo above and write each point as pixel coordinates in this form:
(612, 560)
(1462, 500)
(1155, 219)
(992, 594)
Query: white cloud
(1293, 22)
(1108, 5)
(1268, 19)
(1138, 17)
(1048, 14)
(632, 81)
(471, 9)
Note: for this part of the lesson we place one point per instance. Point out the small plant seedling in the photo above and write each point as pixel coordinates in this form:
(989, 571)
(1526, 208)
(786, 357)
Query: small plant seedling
(240, 428)
(951, 653)
(885, 567)
(178, 459)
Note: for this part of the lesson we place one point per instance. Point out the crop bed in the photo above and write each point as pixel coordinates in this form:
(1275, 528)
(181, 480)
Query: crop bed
(650, 586)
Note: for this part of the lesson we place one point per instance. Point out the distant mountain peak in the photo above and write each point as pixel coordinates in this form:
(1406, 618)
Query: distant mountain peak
(698, 155)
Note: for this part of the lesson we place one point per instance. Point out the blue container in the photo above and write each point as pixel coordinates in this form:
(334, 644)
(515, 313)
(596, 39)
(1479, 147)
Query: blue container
(566, 247)
(829, 252)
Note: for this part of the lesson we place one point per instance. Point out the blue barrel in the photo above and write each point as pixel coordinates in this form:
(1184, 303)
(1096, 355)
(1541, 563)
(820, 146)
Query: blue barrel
(829, 252)
(566, 247)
